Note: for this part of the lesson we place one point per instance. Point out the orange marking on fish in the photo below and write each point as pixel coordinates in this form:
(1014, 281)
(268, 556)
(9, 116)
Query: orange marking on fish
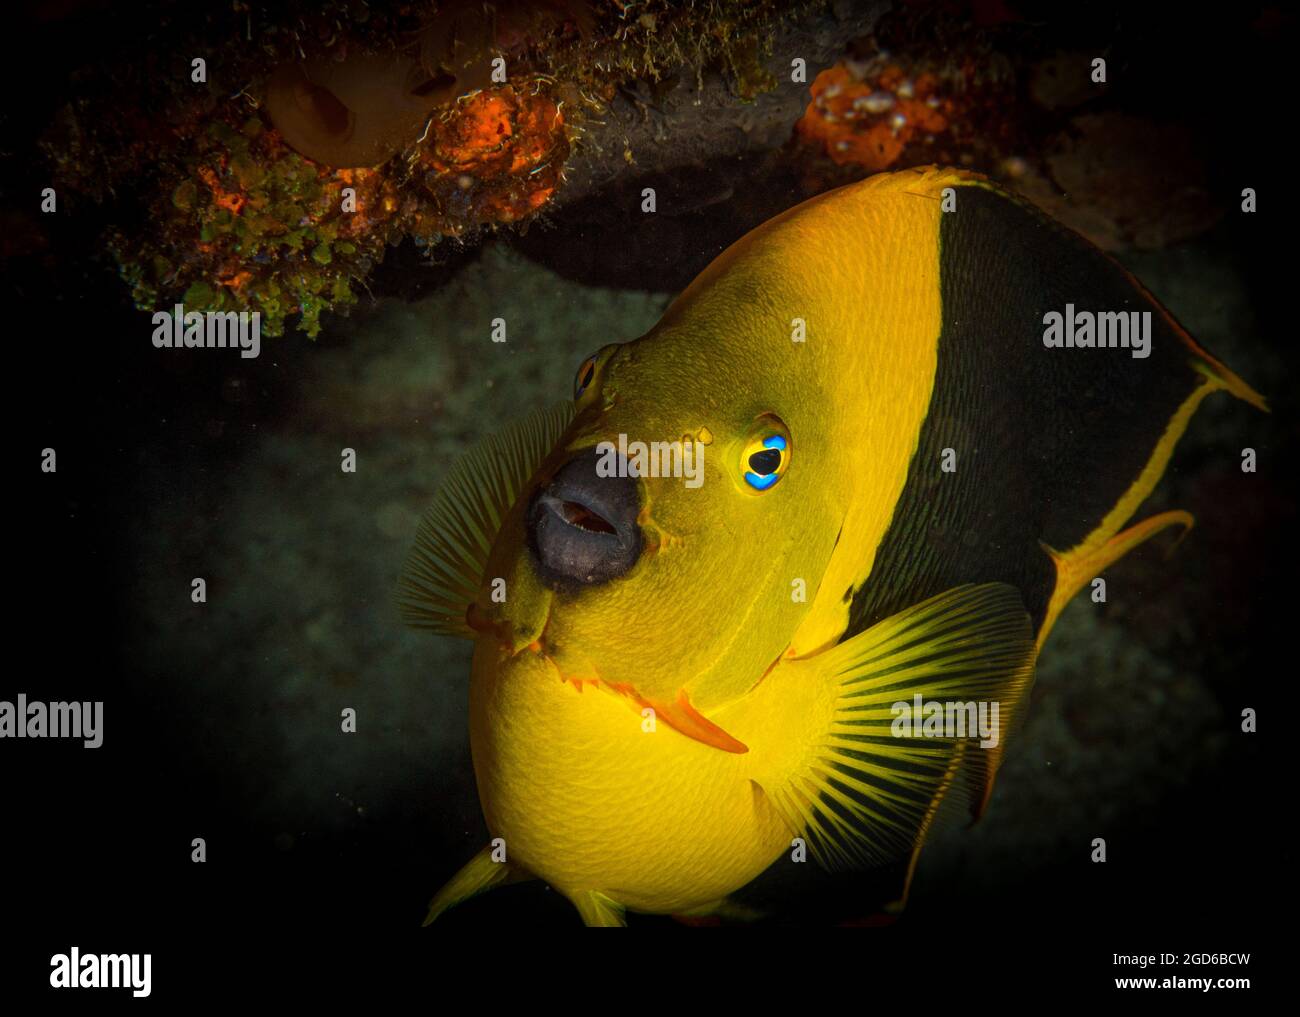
(683, 718)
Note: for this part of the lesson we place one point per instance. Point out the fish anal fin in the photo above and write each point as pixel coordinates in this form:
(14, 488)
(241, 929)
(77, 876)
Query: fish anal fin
(445, 567)
(867, 789)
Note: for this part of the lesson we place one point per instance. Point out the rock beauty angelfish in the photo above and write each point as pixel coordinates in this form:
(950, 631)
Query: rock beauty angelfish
(901, 484)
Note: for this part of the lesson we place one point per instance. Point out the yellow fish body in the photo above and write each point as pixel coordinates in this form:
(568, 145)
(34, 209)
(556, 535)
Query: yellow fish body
(855, 470)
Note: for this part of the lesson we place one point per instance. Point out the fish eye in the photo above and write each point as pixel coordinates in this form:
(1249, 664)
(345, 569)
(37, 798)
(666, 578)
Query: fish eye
(583, 378)
(766, 459)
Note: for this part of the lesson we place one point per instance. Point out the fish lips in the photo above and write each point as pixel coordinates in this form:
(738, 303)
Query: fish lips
(582, 527)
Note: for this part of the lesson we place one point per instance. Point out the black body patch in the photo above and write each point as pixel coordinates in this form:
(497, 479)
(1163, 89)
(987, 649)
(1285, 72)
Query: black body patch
(1046, 440)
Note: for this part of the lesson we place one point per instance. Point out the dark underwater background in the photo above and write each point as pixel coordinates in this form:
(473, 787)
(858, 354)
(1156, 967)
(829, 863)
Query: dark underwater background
(222, 720)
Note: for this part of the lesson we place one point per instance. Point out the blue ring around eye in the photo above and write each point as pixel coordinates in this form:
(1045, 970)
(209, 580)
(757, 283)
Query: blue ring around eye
(776, 441)
(760, 483)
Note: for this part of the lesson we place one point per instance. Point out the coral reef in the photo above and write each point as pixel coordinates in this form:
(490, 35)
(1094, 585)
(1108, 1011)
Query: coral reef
(273, 178)
(254, 225)
(871, 120)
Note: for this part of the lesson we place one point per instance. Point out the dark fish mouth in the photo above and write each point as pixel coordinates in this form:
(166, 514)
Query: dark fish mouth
(577, 514)
(582, 527)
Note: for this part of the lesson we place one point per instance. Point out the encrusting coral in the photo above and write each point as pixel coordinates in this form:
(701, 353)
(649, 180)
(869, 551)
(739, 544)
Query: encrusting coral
(354, 126)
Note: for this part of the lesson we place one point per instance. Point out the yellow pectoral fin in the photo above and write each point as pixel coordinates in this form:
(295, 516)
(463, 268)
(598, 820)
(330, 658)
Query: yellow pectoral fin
(914, 708)
(445, 567)
(1076, 568)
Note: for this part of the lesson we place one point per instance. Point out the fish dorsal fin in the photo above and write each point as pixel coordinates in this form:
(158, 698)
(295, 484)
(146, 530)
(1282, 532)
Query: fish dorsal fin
(445, 566)
(865, 789)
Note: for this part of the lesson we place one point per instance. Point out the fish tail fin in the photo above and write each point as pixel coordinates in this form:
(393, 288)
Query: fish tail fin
(1076, 567)
(480, 874)
(1106, 544)
(903, 725)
